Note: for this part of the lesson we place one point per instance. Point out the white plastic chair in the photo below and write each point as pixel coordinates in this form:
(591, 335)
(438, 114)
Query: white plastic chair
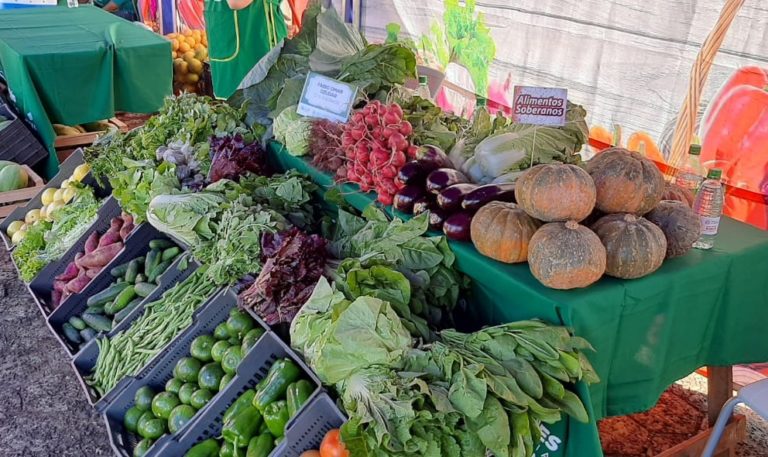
(754, 395)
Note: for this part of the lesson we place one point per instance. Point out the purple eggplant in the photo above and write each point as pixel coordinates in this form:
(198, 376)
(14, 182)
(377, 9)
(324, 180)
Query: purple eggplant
(443, 178)
(431, 158)
(412, 173)
(437, 217)
(425, 203)
(488, 193)
(451, 199)
(457, 226)
(407, 196)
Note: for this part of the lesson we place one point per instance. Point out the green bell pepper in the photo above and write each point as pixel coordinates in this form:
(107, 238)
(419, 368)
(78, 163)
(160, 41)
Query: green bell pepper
(207, 448)
(260, 446)
(230, 450)
(297, 394)
(241, 428)
(276, 416)
(281, 374)
(242, 402)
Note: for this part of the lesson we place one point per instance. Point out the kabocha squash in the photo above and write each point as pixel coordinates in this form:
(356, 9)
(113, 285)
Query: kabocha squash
(634, 246)
(556, 192)
(502, 231)
(566, 255)
(679, 223)
(626, 182)
(673, 192)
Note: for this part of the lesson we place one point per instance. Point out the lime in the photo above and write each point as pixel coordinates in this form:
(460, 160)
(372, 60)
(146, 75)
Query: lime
(180, 416)
(152, 429)
(201, 347)
(187, 368)
(186, 391)
(225, 380)
(218, 349)
(239, 323)
(232, 358)
(221, 332)
(210, 376)
(200, 398)
(163, 403)
(250, 339)
(131, 419)
(173, 385)
(143, 447)
(143, 398)
(145, 417)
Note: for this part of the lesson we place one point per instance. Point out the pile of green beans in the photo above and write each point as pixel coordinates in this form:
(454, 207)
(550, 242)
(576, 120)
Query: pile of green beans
(127, 352)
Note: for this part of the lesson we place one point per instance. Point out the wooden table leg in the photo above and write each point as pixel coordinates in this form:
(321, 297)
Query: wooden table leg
(719, 391)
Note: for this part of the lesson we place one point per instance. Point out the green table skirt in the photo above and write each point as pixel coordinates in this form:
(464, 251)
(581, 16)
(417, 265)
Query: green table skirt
(76, 65)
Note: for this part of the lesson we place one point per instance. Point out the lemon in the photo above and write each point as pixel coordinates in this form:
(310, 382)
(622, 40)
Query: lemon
(47, 196)
(14, 227)
(68, 195)
(44, 212)
(32, 216)
(18, 236)
(53, 207)
(80, 172)
(59, 195)
(65, 183)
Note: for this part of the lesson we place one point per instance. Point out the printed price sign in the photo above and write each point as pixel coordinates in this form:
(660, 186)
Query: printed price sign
(326, 98)
(540, 105)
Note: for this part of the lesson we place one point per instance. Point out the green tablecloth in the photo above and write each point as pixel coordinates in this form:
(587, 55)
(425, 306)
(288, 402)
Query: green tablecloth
(71, 66)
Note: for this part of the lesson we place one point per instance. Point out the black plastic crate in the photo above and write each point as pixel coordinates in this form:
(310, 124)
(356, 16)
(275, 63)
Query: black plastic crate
(253, 369)
(75, 305)
(65, 171)
(85, 360)
(216, 312)
(17, 141)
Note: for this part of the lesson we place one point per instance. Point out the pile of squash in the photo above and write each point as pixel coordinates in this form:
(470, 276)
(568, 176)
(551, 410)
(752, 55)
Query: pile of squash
(189, 50)
(616, 216)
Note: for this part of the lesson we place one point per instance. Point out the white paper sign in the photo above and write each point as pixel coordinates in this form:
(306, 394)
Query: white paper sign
(326, 98)
(540, 105)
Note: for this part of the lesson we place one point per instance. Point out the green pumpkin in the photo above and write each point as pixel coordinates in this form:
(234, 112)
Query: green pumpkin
(12, 177)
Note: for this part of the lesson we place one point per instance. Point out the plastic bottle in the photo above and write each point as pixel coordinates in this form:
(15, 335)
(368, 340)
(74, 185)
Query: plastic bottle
(423, 89)
(709, 206)
(72, 3)
(692, 173)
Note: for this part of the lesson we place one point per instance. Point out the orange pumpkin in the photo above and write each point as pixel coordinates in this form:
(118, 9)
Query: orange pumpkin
(556, 192)
(566, 255)
(681, 226)
(673, 192)
(634, 246)
(626, 182)
(502, 232)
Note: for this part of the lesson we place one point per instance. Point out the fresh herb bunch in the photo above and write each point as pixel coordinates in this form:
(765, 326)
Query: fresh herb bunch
(70, 222)
(188, 168)
(27, 252)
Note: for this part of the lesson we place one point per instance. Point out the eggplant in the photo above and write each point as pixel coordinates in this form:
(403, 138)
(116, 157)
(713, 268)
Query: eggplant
(488, 193)
(431, 158)
(457, 226)
(443, 178)
(407, 196)
(437, 217)
(425, 203)
(412, 173)
(451, 198)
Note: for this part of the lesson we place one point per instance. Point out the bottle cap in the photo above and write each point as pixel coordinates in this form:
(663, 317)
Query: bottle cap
(423, 79)
(695, 150)
(481, 101)
(715, 173)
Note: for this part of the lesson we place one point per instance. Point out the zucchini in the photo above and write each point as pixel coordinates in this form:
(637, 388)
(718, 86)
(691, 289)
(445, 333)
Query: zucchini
(71, 333)
(159, 270)
(88, 334)
(160, 243)
(133, 270)
(144, 289)
(123, 313)
(97, 322)
(121, 301)
(170, 253)
(153, 258)
(107, 295)
(77, 323)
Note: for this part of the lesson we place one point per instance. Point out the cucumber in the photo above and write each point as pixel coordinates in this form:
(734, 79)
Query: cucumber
(160, 244)
(143, 289)
(140, 278)
(123, 313)
(159, 270)
(107, 295)
(121, 301)
(170, 253)
(77, 323)
(97, 322)
(153, 258)
(95, 309)
(119, 271)
(88, 334)
(71, 333)
(133, 270)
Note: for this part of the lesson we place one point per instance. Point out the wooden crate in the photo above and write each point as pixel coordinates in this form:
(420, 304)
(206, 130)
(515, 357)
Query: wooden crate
(735, 432)
(66, 145)
(14, 198)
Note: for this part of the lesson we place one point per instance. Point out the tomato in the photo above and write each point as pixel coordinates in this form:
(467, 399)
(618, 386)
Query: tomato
(332, 445)
(312, 453)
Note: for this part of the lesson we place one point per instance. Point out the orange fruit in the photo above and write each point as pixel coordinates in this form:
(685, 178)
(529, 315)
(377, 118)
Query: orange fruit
(183, 47)
(188, 56)
(192, 78)
(175, 44)
(195, 66)
(174, 55)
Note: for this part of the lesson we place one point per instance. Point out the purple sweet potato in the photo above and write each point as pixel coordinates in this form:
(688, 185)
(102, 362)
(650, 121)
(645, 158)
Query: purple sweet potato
(69, 273)
(116, 223)
(78, 284)
(59, 285)
(112, 236)
(92, 242)
(56, 298)
(126, 229)
(101, 256)
(93, 272)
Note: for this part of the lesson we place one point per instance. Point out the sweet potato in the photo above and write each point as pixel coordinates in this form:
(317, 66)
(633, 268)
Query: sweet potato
(112, 236)
(69, 273)
(56, 298)
(59, 285)
(115, 224)
(101, 256)
(126, 230)
(93, 272)
(78, 284)
(92, 242)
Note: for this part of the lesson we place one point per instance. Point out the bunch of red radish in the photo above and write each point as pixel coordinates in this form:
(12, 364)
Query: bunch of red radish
(375, 142)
